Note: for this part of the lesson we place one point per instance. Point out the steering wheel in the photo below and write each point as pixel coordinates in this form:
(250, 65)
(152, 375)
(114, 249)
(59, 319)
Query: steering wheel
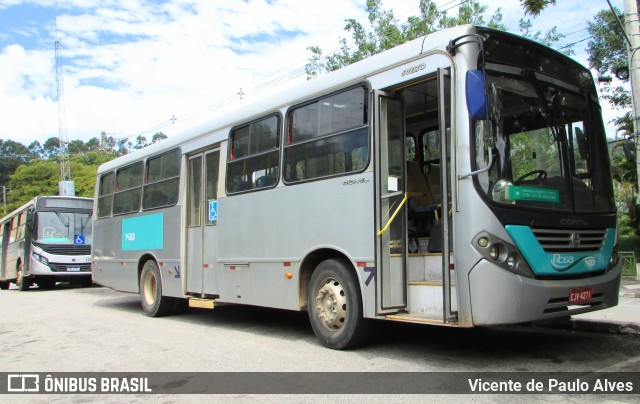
(541, 175)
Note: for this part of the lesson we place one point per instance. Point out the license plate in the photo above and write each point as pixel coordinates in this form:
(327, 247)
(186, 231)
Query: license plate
(579, 295)
(73, 269)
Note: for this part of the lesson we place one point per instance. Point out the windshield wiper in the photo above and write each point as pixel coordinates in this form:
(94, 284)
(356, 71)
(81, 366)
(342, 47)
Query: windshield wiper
(62, 219)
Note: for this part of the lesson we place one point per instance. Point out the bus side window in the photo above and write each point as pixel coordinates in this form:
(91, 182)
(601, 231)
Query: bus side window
(22, 221)
(128, 189)
(14, 230)
(105, 194)
(254, 156)
(327, 137)
(162, 179)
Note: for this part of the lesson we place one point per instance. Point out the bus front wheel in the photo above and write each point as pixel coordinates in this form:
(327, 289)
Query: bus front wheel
(153, 303)
(22, 283)
(335, 305)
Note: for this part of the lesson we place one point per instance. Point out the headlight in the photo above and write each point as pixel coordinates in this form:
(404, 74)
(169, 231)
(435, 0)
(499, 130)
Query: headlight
(614, 259)
(494, 252)
(40, 259)
(501, 253)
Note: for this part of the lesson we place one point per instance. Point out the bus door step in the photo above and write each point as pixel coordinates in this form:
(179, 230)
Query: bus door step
(201, 303)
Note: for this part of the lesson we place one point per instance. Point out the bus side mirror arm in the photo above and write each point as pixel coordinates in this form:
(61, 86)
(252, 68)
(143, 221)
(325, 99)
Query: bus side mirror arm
(482, 170)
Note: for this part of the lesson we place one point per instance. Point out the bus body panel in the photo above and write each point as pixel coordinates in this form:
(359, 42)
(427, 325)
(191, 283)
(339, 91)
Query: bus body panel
(263, 246)
(123, 241)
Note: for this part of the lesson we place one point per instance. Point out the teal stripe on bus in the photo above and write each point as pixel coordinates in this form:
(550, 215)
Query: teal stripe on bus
(143, 233)
(544, 263)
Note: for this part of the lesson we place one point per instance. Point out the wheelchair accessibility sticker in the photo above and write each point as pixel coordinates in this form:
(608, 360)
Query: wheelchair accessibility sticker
(79, 239)
(213, 210)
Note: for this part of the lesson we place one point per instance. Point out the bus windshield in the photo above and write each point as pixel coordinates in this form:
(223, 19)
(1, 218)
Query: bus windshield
(549, 147)
(56, 227)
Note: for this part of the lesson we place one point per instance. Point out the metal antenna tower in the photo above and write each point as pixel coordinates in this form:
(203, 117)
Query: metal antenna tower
(66, 186)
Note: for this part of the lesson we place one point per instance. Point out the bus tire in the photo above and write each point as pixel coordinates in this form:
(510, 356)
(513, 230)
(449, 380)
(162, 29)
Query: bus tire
(4, 285)
(335, 305)
(153, 303)
(22, 283)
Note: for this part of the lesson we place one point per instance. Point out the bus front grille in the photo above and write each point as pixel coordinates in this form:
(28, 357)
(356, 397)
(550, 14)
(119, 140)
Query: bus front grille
(567, 240)
(70, 267)
(65, 249)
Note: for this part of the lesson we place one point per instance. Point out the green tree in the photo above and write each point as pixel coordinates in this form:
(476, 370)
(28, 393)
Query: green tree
(51, 147)
(12, 155)
(607, 54)
(158, 136)
(41, 177)
(386, 32)
(93, 144)
(534, 7)
(549, 38)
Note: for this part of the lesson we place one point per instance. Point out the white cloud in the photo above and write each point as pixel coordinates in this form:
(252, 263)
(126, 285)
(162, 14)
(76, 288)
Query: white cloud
(129, 65)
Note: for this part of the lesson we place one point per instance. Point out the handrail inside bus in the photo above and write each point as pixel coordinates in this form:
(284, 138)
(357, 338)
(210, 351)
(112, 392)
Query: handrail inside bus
(482, 170)
(386, 226)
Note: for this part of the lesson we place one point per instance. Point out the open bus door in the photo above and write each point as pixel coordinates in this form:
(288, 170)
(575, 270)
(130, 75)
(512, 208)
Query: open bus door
(447, 153)
(391, 295)
(415, 284)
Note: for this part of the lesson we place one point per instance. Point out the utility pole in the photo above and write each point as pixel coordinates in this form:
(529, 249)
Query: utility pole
(632, 28)
(4, 198)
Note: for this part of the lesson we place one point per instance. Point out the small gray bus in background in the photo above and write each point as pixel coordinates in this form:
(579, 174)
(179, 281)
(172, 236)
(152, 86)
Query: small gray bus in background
(47, 240)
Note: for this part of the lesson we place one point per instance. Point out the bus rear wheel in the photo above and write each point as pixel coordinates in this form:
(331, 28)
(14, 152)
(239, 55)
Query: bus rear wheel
(335, 305)
(153, 303)
(4, 285)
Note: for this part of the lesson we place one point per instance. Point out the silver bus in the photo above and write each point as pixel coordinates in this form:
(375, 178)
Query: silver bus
(461, 179)
(47, 240)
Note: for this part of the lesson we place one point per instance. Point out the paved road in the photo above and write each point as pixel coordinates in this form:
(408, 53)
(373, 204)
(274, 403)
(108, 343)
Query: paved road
(95, 329)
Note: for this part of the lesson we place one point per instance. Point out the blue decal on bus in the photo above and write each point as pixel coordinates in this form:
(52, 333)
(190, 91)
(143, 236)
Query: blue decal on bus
(143, 233)
(544, 263)
(213, 210)
(79, 239)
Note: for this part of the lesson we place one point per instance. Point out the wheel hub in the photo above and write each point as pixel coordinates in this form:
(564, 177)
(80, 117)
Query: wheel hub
(331, 305)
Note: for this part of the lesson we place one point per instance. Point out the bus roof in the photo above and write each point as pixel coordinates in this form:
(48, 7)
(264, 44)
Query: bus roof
(354, 73)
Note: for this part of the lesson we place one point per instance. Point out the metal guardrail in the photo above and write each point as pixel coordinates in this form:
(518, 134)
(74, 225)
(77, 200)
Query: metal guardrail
(628, 263)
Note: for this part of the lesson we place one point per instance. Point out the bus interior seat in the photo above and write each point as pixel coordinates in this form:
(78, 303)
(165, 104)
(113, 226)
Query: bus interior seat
(433, 182)
(240, 186)
(436, 239)
(265, 181)
(421, 202)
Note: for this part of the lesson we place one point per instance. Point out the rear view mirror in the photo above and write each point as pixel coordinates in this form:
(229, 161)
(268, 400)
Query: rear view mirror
(476, 97)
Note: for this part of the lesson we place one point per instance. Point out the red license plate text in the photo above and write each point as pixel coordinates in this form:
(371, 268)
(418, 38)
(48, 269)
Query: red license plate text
(579, 295)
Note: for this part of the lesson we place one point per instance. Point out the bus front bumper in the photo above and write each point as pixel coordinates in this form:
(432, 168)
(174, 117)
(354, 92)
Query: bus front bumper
(501, 297)
(59, 269)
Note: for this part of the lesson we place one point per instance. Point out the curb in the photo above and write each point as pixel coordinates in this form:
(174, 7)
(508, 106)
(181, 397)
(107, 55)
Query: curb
(579, 324)
(616, 327)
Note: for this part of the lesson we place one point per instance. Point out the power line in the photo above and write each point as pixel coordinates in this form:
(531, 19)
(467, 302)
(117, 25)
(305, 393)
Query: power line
(573, 43)
(275, 81)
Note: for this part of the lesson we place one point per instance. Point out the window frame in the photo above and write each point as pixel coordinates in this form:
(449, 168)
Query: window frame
(117, 191)
(277, 151)
(366, 124)
(109, 195)
(146, 184)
